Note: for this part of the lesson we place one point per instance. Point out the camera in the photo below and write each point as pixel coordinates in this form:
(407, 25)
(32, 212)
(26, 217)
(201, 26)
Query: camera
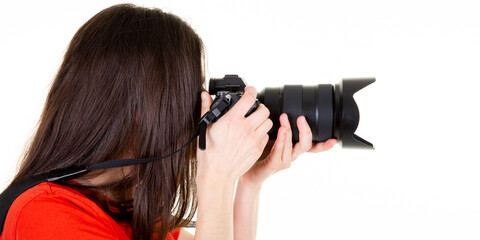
(330, 110)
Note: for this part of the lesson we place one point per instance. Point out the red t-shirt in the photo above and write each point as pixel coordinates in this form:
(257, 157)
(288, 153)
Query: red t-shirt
(53, 211)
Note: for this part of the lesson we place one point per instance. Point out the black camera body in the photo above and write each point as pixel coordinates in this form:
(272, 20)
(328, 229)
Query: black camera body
(228, 89)
(330, 110)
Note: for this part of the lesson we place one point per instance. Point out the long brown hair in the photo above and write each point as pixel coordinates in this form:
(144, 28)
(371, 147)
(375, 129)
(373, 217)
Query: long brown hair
(130, 82)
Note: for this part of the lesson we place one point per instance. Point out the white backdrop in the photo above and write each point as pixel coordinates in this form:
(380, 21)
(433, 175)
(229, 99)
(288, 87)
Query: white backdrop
(421, 182)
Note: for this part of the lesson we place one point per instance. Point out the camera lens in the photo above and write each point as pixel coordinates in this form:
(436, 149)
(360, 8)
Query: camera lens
(330, 110)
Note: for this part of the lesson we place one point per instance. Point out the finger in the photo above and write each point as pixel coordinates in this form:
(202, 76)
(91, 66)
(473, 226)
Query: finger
(277, 149)
(305, 137)
(267, 149)
(264, 127)
(258, 116)
(260, 145)
(323, 146)
(264, 142)
(245, 103)
(206, 102)
(287, 150)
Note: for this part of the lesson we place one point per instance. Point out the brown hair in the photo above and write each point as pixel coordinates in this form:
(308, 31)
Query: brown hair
(130, 82)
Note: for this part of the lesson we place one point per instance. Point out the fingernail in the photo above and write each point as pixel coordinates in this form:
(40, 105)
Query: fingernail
(204, 96)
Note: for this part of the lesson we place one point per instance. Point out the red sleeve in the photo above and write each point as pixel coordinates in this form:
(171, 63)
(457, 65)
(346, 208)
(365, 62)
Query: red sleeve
(51, 212)
(173, 235)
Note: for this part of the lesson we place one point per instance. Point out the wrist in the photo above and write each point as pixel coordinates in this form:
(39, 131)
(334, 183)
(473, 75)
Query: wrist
(215, 194)
(215, 180)
(215, 208)
(246, 183)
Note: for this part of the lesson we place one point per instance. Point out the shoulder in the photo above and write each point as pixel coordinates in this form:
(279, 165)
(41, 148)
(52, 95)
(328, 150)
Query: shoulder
(57, 212)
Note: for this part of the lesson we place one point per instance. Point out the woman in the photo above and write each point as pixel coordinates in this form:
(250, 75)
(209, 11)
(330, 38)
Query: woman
(130, 87)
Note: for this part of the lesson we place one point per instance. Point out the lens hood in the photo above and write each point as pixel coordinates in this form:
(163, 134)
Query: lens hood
(347, 115)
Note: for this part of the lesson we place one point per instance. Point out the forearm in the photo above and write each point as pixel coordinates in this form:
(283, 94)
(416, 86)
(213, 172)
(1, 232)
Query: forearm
(246, 210)
(215, 210)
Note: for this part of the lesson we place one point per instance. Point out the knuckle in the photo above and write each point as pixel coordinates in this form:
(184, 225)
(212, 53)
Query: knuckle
(250, 98)
(269, 123)
(265, 139)
(261, 144)
(306, 147)
(244, 130)
(264, 109)
(259, 151)
(251, 90)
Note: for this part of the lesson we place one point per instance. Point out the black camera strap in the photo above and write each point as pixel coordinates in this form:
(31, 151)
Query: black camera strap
(13, 191)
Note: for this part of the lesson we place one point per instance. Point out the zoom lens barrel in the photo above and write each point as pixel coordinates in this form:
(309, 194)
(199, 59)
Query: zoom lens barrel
(330, 110)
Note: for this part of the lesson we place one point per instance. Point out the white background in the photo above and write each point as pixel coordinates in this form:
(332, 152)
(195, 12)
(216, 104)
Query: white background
(421, 182)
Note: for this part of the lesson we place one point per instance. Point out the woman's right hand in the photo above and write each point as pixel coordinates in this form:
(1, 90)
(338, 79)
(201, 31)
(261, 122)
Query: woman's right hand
(235, 142)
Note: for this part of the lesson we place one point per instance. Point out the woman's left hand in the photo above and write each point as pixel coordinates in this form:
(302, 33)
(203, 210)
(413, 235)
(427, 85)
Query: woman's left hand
(283, 153)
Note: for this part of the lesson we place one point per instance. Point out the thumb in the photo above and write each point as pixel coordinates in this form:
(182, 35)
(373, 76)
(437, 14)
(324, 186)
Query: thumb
(206, 102)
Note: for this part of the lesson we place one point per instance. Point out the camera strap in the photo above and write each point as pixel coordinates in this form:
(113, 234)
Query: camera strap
(208, 118)
(13, 191)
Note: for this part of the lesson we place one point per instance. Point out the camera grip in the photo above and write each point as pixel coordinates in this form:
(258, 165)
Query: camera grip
(253, 108)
